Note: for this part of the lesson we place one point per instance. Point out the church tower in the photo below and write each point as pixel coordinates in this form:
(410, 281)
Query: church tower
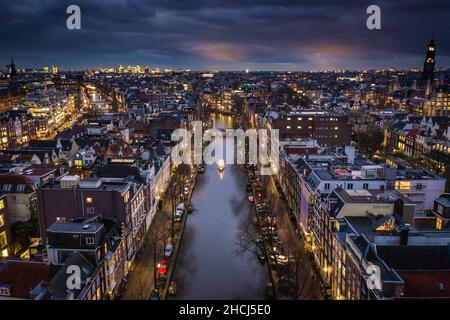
(12, 69)
(428, 65)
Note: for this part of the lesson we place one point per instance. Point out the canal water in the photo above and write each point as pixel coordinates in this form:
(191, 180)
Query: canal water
(209, 265)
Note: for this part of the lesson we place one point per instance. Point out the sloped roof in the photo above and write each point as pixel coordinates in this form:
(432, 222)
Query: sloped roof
(119, 171)
(23, 276)
(16, 180)
(58, 284)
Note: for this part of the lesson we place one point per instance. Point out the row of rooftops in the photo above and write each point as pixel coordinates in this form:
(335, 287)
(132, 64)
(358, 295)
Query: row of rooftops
(330, 166)
(402, 251)
(91, 183)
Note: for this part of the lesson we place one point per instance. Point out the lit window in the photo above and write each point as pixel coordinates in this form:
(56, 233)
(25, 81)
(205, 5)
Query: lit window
(126, 197)
(5, 253)
(2, 204)
(3, 239)
(288, 127)
(2, 222)
(403, 185)
(78, 163)
(299, 127)
(89, 199)
(439, 223)
(289, 118)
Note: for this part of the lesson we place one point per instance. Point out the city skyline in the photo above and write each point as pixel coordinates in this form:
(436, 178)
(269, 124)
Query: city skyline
(259, 36)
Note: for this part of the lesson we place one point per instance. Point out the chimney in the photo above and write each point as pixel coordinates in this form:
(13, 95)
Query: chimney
(404, 235)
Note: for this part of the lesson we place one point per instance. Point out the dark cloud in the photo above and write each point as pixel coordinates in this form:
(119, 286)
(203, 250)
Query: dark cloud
(224, 34)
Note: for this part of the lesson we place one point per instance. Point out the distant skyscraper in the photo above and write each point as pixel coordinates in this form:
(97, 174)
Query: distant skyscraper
(428, 65)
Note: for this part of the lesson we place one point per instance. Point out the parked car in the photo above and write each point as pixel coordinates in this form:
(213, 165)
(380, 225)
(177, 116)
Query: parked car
(179, 212)
(280, 259)
(168, 250)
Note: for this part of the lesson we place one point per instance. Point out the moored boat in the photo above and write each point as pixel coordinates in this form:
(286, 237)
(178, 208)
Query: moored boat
(172, 288)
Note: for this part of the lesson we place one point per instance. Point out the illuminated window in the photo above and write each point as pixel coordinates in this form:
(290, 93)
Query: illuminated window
(2, 222)
(89, 199)
(289, 118)
(288, 127)
(5, 253)
(299, 127)
(3, 240)
(126, 197)
(78, 163)
(439, 223)
(2, 204)
(403, 185)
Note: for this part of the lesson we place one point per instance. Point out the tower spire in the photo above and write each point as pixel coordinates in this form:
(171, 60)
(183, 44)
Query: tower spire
(429, 63)
(12, 69)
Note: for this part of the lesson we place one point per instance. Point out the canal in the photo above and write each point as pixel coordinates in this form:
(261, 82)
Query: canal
(209, 265)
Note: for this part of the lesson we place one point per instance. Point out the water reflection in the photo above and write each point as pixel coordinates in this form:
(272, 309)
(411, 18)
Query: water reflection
(208, 266)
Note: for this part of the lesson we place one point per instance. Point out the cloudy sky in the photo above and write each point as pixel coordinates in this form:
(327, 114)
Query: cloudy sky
(224, 34)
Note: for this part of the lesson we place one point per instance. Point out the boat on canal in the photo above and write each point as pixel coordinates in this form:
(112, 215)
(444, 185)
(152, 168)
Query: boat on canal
(172, 289)
(221, 165)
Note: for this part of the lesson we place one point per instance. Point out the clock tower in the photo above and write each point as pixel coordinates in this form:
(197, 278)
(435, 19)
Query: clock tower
(428, 65)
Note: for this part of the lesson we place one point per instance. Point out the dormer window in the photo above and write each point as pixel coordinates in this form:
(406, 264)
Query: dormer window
(20, 188)
(90, 240)
(4, 291)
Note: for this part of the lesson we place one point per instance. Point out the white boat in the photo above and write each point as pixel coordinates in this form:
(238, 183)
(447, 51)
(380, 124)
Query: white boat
(172, 288)
(221, 165)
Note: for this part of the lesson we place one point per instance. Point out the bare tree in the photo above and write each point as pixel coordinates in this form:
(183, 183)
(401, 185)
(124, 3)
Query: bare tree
(298, 282)
(258, 236)
(160, 236)
(175, 189)
(369, 140)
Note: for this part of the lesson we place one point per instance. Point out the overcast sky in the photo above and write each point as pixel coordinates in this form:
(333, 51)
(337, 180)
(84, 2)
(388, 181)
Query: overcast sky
(224, 34)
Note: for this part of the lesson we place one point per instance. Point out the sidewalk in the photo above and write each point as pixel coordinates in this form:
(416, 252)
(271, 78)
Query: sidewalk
(290, 237)
(291, 241)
